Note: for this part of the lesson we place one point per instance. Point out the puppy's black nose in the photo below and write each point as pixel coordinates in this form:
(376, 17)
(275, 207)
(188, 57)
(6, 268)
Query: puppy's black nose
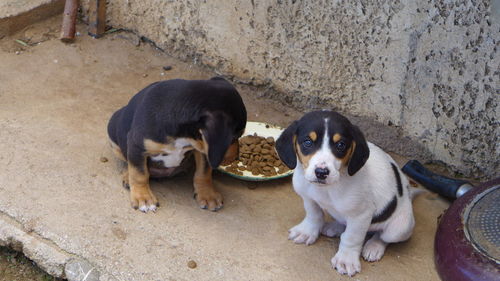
(321, 173)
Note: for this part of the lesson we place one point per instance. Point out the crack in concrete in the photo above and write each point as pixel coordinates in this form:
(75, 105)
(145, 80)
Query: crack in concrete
(44, 252)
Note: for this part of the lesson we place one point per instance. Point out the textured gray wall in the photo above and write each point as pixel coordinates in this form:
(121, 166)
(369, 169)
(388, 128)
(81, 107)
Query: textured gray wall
(428, 68)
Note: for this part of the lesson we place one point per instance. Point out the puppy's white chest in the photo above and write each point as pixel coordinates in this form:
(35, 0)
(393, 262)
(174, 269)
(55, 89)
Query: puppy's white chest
(174, 154)
(327, 202)
(321, 195)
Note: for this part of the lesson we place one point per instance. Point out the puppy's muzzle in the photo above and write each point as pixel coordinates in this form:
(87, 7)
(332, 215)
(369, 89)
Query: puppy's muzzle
(321, 173)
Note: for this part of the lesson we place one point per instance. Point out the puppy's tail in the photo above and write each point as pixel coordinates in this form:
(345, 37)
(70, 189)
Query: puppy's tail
(414, 192)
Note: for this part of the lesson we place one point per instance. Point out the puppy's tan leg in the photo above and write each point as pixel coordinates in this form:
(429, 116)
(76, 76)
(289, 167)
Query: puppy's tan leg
(141, 196)
(119, 154)
(116, 150)
(125, 179)
(231, 153)
(204, 191)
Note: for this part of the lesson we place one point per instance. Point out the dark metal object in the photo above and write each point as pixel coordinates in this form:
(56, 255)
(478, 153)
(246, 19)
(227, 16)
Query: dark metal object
(460, 255)
(482, 218)
(97, 18)
(467, 241)
(444, 186)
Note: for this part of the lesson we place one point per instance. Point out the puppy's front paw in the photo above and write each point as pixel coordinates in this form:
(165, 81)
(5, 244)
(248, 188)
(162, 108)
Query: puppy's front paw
(143, 199)
(210, 199)
(346, 262)
(332, 229)
(305, 232)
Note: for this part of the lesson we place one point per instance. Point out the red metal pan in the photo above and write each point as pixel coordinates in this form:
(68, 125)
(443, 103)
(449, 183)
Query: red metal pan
(467, 242)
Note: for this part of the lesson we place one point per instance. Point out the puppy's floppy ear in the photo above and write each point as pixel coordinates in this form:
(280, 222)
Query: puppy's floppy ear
(217, 134)
(360, 154)
(285, 146)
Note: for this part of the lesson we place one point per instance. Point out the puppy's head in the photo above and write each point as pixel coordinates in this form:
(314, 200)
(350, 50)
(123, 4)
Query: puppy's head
(221, 119)
(324, 143)
(220, 133)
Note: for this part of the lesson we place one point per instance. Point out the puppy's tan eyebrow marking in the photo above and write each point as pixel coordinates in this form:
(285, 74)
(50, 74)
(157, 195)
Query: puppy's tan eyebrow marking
(336, 137)
(313, 136)
(349, 153)
(304, 159)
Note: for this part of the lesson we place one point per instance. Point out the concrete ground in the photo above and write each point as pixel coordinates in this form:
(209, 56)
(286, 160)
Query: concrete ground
(65, 208)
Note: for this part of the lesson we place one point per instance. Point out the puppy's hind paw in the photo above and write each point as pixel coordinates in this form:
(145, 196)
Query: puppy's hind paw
(332, 229)
(346, 262)
(304, 233)
(374, 249)
(125, 185)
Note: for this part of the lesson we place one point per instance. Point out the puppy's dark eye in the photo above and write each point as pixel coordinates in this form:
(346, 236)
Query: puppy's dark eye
(340, 146)
(307, 143)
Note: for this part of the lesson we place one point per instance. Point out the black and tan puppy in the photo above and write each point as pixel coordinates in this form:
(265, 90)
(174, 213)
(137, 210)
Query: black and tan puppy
(166, 120)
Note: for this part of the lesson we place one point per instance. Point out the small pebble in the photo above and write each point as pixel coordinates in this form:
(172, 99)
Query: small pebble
(144, 75)
(191, 264)
(163, 73)
(55, 61)
(78, 33)
(17, 52)
(104, 159)
(167, 68)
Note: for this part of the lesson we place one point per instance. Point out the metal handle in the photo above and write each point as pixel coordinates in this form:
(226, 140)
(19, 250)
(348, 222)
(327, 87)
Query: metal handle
(447, 187)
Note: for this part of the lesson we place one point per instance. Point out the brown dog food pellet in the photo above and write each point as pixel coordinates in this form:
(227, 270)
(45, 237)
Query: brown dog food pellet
(104, 159)
(192, 264)
(258, 156)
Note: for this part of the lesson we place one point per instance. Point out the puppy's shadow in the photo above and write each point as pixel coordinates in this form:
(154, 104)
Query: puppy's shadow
(227, 180)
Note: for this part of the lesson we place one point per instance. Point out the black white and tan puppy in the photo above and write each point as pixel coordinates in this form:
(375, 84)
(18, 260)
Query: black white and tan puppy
(354, 181)
(166, 120)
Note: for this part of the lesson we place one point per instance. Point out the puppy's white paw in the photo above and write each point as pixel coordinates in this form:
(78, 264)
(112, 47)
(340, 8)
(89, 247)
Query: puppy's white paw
(146, 208)
(304, 232)
(374, 249)
(346, 262)
(332, 229)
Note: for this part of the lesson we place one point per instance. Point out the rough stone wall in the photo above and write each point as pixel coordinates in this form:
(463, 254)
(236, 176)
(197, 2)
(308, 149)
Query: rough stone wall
(451, 95)
(428, 68)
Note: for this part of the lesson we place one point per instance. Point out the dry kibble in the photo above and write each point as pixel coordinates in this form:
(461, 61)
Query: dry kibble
(258, 156)
(192, 264)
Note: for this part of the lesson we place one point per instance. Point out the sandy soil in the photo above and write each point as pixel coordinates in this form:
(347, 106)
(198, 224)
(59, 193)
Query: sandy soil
(14, 266)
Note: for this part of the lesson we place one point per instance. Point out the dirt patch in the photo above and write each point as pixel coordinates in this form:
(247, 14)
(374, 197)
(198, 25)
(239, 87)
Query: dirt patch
(30, 36)
(15, 266)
